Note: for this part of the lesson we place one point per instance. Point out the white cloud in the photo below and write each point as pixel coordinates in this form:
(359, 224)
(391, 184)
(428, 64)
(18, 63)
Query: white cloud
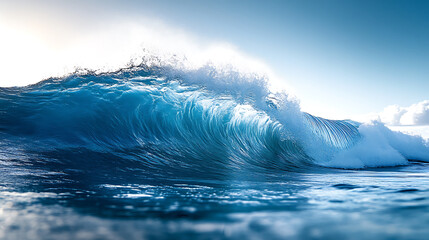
(414, 115)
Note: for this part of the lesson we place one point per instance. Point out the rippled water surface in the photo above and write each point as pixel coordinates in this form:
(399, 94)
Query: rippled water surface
(389, 203)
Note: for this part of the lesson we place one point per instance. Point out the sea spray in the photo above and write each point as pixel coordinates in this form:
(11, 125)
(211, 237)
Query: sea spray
(209, 118)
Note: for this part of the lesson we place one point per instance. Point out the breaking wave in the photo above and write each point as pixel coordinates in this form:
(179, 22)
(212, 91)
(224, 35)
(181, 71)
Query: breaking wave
(207, 120)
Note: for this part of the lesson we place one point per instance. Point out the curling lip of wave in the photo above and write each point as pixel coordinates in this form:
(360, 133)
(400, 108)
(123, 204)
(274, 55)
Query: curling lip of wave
(202, 118)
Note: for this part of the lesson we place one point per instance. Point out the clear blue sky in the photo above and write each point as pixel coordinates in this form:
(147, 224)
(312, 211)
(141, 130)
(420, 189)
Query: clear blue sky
(343, 57)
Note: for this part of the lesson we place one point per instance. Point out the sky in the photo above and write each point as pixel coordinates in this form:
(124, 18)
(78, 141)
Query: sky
(341, 58)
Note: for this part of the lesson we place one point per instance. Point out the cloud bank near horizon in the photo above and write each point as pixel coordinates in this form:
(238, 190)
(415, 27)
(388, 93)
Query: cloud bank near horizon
(415, 115)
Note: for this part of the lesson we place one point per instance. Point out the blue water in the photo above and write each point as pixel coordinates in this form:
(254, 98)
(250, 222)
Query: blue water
(166, 153)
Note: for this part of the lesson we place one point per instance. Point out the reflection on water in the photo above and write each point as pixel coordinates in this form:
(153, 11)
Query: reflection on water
(39, 203)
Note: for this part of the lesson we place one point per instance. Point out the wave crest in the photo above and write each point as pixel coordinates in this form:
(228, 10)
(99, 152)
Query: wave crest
(202, 119)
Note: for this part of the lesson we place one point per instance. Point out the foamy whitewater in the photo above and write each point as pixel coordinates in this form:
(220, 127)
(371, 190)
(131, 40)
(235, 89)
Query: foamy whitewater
(160, 151)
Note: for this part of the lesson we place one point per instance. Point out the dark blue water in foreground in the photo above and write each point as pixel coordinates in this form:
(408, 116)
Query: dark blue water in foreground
(157, 153)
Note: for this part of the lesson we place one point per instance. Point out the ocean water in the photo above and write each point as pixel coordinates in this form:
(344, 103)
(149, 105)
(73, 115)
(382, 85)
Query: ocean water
(159, 152)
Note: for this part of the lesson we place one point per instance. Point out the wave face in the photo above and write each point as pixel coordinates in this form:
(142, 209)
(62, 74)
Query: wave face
(170, 121)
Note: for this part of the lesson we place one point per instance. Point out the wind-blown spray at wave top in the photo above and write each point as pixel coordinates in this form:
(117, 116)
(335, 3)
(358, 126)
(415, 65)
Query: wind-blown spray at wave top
(169, 119)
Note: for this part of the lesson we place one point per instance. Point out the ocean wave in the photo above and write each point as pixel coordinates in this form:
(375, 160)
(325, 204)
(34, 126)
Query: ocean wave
(205, 118)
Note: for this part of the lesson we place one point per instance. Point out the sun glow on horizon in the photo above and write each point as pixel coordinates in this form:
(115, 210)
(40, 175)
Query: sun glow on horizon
(35, 51)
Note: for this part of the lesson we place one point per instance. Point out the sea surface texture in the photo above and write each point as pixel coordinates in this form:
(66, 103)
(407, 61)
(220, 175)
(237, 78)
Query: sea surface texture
(152, 152)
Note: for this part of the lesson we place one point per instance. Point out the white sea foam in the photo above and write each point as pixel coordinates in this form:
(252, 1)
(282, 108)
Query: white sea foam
(380, 147)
